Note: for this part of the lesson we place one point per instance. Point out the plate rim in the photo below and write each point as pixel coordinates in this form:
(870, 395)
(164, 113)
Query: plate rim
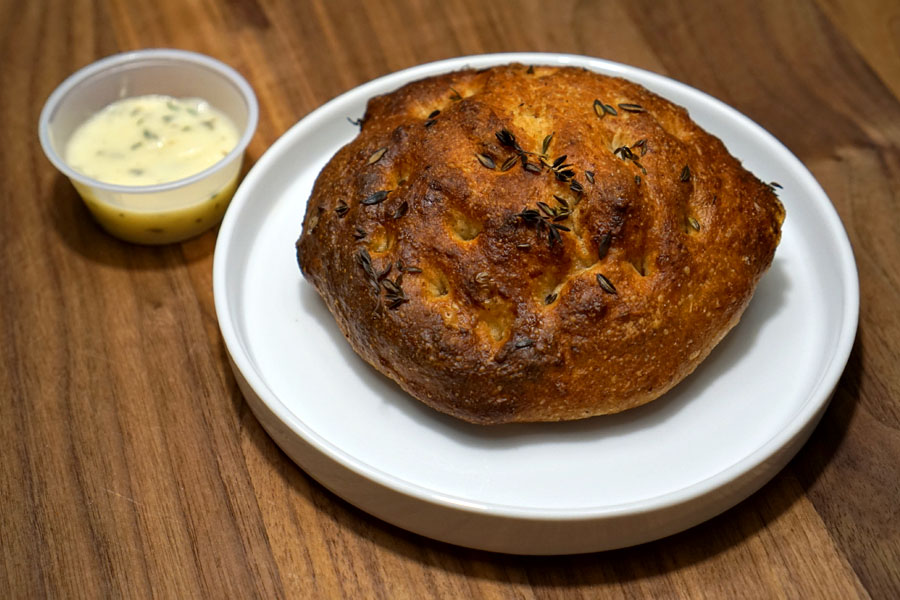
(807, 413)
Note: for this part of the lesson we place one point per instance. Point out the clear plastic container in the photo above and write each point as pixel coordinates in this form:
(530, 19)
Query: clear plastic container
(167, 212)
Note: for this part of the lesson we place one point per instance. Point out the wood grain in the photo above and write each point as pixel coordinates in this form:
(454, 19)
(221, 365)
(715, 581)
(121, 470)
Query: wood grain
(131, 464)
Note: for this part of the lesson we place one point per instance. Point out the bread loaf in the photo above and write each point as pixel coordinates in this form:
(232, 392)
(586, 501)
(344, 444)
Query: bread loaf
(522, 244)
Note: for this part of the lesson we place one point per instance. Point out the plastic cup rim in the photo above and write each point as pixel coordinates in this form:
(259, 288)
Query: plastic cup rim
(165, 54)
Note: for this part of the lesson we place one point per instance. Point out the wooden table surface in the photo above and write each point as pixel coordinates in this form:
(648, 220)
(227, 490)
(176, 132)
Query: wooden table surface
(131, 465)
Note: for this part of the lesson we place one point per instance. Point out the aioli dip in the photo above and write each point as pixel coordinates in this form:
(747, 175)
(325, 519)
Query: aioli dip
(150, 140)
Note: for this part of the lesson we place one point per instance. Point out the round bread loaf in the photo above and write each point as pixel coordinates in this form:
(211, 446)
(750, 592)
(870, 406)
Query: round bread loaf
(535, 243)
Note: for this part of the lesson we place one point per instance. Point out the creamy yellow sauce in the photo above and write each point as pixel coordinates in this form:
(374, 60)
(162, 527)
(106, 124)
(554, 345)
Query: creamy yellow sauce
(161, 226)
(152, 139)
(149, 140)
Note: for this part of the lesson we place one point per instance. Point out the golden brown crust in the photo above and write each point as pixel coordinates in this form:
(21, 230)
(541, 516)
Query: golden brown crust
(457, 284)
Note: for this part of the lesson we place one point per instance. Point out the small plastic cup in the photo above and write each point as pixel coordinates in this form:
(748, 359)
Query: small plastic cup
(167, 212)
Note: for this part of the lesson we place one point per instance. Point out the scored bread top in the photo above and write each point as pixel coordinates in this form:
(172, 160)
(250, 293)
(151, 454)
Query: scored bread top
(535, 243)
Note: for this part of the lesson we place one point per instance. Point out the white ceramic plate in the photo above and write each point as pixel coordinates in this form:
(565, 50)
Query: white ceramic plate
(549, 488)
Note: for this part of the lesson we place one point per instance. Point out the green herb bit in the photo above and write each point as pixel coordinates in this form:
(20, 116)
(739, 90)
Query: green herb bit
(376, 156)
(546, 145)
(641, 145)
(603, 242)
(364, 260)
(509, 163)
(486, 160)
(376, 198)
(606, 284)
